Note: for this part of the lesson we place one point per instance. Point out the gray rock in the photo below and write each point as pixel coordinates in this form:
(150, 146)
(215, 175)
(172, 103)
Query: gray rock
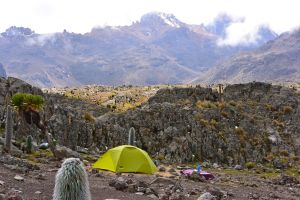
(162, 169)
(161, 180)
(14, 194)
(120, 184)
(238, 167)
(65, 152)
(215, 165)
(44, 146)
(152, 196)
(206, 196)
(19, 178)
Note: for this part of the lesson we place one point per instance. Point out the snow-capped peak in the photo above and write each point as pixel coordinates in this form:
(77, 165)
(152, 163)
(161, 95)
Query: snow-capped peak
(168, 19)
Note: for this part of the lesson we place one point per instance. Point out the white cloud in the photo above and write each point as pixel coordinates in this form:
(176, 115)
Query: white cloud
(46, 16)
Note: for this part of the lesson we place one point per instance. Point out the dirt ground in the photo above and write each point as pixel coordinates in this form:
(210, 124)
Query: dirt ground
(237, 186)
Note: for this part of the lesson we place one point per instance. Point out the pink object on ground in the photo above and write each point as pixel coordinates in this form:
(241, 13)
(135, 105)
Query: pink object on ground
(206, 175)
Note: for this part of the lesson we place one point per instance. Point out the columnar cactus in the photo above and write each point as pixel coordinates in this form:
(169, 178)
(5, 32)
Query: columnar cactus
(71, 182)
(29, 147)
(131, 137)
(8, 129)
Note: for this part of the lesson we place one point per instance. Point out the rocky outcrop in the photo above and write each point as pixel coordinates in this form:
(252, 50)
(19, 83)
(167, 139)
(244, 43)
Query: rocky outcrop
(64, 117)
(254, 122)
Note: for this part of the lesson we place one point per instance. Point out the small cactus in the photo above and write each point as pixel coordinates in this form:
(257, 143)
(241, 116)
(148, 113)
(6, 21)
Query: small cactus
(131, 137)
(29, 147)
(71, 181)
(8, 129)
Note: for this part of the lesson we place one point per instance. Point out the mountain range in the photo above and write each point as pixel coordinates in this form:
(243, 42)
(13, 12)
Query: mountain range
(157, 49)
(276, 61)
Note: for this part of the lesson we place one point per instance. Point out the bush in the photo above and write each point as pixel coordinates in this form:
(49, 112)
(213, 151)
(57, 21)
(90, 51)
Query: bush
(205, 104)
(88, 117)
(225, 114)
(26, 101)
(250, 165)
(287, 109)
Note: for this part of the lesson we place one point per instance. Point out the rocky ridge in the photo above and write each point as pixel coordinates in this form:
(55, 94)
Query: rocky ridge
(255, 122)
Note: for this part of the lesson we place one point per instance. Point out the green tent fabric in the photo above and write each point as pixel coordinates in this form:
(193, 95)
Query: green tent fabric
(126, 158)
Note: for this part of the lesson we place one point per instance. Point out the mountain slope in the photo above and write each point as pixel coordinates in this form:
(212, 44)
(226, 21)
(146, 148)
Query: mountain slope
(158, 49)
(278, 60)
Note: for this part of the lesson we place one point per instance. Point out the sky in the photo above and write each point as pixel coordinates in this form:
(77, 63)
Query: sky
(80, 16)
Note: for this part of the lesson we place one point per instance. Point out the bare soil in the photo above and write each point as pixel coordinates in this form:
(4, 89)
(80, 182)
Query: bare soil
(242, 185)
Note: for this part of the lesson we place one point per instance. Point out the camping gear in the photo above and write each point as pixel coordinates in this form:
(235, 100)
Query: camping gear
(126, 158)
(189, 172)
(198, 168)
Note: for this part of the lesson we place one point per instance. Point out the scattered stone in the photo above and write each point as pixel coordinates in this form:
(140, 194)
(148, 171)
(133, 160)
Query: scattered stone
(139, 193)
(193, 192)
(285, 180)
(41, 176)
(196, 177)
(141, 189)
(162, 169)
(152, 196)
(44, 146)
(238, 167)
(215, 165)
(121, 184)
(111, 199)
(38, 193)
(65, 152)
(1, 182)
(163, 197)
(206, 196)
(171, 170)
(177, 196)
(19, 178)
(131, 188)
(2, 196)
(14, 194)
(161, 180)
(216, 192)
(82, 150)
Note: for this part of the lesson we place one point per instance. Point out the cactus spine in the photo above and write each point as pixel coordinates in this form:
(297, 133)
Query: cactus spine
(29, 147)
(8, 129)
(131, 137)
(71, 181)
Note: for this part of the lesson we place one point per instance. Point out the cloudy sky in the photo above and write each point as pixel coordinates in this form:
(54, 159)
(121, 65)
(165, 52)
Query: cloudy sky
(46, 16)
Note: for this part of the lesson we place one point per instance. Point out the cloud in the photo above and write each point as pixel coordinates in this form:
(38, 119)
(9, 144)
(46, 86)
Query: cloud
(240, 33)
(46, 16)
(41, 40)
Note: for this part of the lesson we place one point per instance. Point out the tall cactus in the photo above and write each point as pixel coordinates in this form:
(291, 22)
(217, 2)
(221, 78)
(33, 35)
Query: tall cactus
(8, 129)
(131, 137)
(29, 147)
(71, 181)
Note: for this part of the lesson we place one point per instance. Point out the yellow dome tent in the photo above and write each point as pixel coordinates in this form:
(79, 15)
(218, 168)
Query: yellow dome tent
(126, 158)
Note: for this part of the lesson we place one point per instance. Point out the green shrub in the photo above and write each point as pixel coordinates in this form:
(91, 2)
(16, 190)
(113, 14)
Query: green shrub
(88, 117)
(26, 101)
(250, 165)
(284, 152)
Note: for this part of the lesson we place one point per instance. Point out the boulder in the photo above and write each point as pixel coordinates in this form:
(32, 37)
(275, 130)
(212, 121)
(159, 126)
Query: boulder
(62, 152)
(206, 196)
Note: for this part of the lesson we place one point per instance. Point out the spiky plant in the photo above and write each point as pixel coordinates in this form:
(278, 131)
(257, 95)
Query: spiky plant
(131, 136)
(71, 181)
(8, 129)
(29, 147)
